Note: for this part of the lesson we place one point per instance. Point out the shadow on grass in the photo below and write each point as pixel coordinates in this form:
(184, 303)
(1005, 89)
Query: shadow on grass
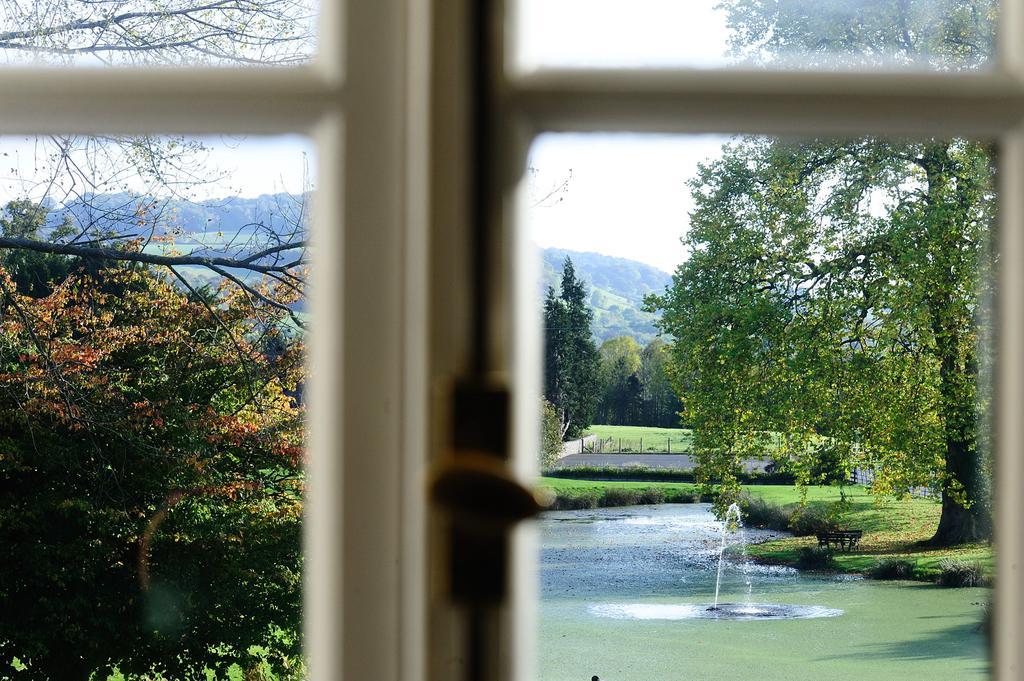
(963, 641)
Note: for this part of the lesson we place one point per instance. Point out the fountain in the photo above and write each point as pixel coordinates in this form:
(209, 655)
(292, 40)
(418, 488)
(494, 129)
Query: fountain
(731, 524)
(732, 512)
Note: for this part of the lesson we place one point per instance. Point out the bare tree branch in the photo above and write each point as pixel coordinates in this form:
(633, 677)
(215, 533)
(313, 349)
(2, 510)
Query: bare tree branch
(106, 253)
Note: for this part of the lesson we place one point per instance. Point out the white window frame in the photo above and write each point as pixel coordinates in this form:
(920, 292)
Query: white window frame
(359, 100)
(385, 102)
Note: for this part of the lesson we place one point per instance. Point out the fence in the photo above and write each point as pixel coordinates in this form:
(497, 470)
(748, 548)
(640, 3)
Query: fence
(866, 476)
(642, 445)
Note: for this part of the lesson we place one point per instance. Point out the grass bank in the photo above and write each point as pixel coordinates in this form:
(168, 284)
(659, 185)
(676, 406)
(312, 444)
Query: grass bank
(893, 528)
(571, 494)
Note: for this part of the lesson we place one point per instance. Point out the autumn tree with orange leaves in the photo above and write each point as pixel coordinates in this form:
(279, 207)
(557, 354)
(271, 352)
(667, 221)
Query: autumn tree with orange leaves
(150, 477)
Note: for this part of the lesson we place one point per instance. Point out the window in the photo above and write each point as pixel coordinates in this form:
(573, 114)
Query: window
(352, 101)
(561, 94)
(384, 101)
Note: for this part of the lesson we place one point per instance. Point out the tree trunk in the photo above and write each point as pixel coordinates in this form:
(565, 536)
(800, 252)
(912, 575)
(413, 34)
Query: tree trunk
(957, 524)
(970, 521)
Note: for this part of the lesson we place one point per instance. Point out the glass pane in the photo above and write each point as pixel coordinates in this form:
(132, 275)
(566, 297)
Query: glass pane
(790, 34)
(158, 32)
(765, 406)
(151, 406)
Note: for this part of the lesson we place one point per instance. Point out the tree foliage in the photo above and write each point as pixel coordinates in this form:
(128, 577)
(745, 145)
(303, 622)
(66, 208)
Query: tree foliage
(550, 435)
(635, 388)
(849, 295)
(830, 305)
(150, 480)
(937, 34)
(33, 272)
(570, 356)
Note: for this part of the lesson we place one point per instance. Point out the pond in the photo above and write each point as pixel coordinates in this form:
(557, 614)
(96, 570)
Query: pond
(624, 592)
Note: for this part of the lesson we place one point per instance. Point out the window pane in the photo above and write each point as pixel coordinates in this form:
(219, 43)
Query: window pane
(765, 406)
(158, 32)
(151, 406)
(840, 34)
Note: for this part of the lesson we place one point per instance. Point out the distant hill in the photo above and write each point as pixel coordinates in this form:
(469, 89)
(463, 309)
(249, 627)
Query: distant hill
(209, 222)
(617, 288)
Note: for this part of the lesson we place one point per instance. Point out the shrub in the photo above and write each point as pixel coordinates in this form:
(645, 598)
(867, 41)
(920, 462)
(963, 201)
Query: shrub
(678, 496)
(575, 501)
(760, 513)
(811, 520)
(959, 573)
(620, 496)
(651, 495)
(891, 568)
(815, 558)
(639, 472)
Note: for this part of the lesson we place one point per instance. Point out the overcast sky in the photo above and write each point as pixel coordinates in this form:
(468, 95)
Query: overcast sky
(626, 194)
(621, 195)
(620, 33)
(249, 166)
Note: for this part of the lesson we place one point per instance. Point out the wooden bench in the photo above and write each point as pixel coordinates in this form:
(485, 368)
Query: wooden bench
(844, 539)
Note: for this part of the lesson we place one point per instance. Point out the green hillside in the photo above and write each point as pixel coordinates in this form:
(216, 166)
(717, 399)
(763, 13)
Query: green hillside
(617, 288)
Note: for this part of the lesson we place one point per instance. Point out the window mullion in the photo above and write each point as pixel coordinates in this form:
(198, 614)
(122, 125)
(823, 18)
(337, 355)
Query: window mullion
(1010, 45)
(768, 102)
(164, 101)
(1009, 509)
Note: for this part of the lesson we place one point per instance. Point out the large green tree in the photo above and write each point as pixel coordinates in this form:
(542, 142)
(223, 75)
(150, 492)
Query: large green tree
(849, 288)
(831, 298)
(571, 382)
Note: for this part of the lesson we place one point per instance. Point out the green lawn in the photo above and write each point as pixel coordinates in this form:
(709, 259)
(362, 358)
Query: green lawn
(642, 438)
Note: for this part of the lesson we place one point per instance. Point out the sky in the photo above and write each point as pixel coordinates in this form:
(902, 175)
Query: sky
(625, 195)
(247, 166)
(620, 195)
(636, 33)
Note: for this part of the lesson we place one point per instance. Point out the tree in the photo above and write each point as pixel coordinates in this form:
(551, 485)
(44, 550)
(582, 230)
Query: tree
(86, 216)
(915, 213)
(570, 356)
(150, 482)
(33, 272)
(937, 34)
(150, 426)
(100, 176)
(660, 404)
(550, 435)
(831, 296)
(621, 387)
